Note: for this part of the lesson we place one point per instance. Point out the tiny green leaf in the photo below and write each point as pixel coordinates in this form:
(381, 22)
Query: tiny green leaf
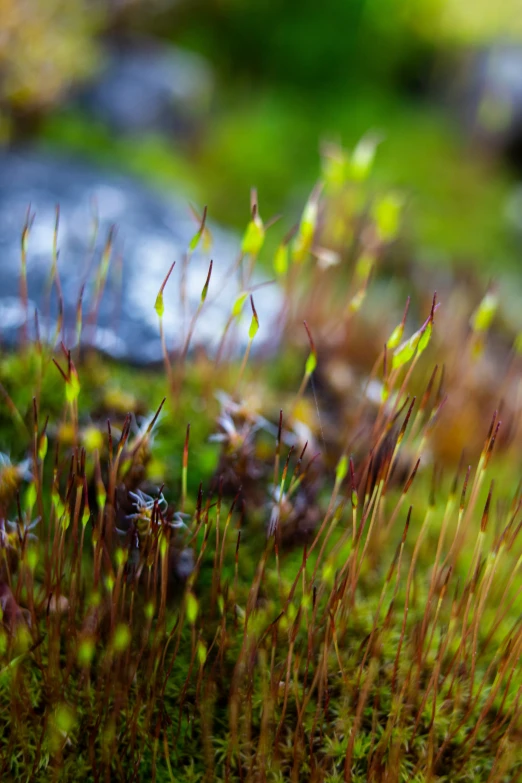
(254, 324)
(31, 557)
(425, 338)
(109, 582)
(342, 469)
(483, 316)
(92, 439)
(121, 557)
(415, 345)
(386, 213)
(164, 544)
(72, 387)
(101, 494)
(207, 281)
(64, 718)
(364, 266)
(311, 364)
(238, 304)
(42, 448)
(85, 651)
(281, 260)
(356, 301)
(202, 653)
(194, 242)
(122, 637)
(362, 157)
(395, 337)
(306, 231)
(192, 608)
(335, 166)
(328, 573)
(159, 305)
(253, 238)
(30, 497)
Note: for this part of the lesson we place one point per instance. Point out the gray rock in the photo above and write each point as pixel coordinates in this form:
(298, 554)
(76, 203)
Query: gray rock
(152, 230)
(488, 88)
(143, 86)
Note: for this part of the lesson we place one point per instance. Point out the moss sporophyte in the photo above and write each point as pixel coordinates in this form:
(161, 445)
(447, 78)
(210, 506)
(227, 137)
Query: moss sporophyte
(296, 560)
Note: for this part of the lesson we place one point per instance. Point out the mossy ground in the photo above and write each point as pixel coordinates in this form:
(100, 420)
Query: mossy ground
(280, 568)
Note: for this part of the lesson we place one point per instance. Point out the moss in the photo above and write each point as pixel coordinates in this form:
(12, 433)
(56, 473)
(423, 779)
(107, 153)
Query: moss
(319, 591)
(254, 140)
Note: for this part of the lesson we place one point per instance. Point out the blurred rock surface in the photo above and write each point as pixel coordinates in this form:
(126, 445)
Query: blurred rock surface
(153, 229)
(488, 92)
(144, 86)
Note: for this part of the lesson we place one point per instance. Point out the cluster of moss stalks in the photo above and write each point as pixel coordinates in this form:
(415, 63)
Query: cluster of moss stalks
(268, 569)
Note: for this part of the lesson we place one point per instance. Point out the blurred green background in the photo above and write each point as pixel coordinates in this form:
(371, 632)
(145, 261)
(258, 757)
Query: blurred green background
(429, 75)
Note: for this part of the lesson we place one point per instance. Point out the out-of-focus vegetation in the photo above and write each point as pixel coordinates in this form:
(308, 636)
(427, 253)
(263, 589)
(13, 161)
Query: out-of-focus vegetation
(268, 140)
(289, 77)
(47, 47)
(44, 48)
